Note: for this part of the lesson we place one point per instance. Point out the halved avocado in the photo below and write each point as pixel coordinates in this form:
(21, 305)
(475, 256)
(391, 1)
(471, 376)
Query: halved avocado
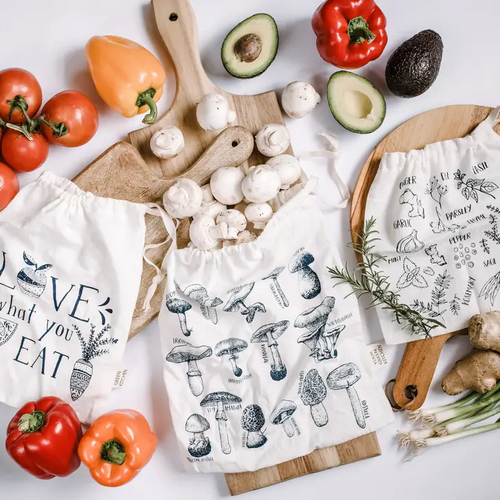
(250, 48)
(355, 102)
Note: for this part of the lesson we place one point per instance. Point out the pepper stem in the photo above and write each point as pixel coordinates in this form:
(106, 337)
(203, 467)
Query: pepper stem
(146, 99)
(359, 31)
(113, 452)
(31, 422)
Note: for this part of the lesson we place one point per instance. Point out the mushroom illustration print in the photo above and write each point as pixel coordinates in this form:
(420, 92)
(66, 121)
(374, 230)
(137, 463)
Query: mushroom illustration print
(236, 302)
(220, 400)
(282, 415)
(314, 320)
(344, 377)
(190, 354)
(7, 329)
(91, 349)
(313, 393)
(276, 287)
(199, 294)
(32, 279)
(309, 283)
(252, 421)
(268, 334)
(231, 348)
(180, 307)
(199, 445)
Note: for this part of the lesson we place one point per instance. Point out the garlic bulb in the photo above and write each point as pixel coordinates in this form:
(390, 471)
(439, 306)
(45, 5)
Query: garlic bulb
(410, 243)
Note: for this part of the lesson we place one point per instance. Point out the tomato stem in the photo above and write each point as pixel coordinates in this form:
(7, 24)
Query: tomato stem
(59, 129)
(19, 103)
(31, 422)
(146, 98)
(20, 129)
(113, 452)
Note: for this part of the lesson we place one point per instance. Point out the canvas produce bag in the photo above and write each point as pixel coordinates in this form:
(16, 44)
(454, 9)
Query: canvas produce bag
(264, 359)
(70, 269)
(437, 211)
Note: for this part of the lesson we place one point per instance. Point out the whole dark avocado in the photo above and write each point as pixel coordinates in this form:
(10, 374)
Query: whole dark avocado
(414, 66)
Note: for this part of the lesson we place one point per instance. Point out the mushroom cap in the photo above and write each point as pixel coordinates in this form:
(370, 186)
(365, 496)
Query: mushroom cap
(303, 259)
(315, 317)
(282, 412)
(197, 423)
(239, 294)
(344, 376)
(313, 388)
(333, 331)
(276, 330)
(230, 346)
(310, 338)
(275, 273)
(226, 185)
(252, 418)
(233, 218)
(183, 199)
(196, 292)
(187, 352)
(178, 306)
(220, 397)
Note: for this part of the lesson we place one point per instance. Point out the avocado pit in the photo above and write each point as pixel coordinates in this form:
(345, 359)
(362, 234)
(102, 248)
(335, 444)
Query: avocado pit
(248, 48)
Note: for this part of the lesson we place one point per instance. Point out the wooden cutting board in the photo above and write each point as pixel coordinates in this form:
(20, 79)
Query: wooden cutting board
(135, 174)
(421, 357)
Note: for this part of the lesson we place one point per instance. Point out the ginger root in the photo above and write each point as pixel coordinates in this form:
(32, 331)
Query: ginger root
(484, 331)
(479, 371)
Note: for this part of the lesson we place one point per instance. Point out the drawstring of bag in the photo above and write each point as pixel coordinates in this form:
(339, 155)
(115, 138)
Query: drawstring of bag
(494, 117)
(332, 153)
(171, 227)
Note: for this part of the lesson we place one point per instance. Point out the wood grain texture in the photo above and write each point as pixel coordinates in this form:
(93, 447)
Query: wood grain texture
(122, 174)
(420, 358)
(134, 173)
(319, 460)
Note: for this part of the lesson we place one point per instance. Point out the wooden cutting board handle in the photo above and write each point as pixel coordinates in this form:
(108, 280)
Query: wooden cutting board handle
(177, 26)
(417, 370)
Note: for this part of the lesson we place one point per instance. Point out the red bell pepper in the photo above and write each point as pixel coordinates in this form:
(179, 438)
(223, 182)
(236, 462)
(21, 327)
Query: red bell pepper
(350, 33)
(43, 438)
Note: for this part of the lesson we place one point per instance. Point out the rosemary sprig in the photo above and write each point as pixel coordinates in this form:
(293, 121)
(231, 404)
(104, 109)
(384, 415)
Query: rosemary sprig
(368, 279)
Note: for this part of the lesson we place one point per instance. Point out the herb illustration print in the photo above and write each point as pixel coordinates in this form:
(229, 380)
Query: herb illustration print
(411, 276)
(91, 349)
(472, 188)
(434, 308)
(7, 329)
(32, 279)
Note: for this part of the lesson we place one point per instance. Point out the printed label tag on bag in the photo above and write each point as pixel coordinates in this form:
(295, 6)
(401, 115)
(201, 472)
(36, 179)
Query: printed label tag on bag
(120, 377)
(377, 352)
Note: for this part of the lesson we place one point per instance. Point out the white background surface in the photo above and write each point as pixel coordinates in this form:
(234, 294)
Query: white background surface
(48, 39)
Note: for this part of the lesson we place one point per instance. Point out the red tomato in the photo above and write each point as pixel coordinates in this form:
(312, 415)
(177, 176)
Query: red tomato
(23, 154)
(76, 112)
(9, 185)
(15, 82)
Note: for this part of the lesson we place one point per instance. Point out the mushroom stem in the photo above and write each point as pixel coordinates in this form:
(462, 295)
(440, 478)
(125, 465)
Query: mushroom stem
(356, 406)
(288, 427)
(324, 348)
(256, 439)
(278, 369)
(236, 369)
(319, 414)
(280, 292)
(195, 379)
(221, 418)
(199, 436)
(309, 283)
(184, 328)
(252, 310)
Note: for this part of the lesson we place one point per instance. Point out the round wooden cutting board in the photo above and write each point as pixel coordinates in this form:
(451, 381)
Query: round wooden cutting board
(420, 358)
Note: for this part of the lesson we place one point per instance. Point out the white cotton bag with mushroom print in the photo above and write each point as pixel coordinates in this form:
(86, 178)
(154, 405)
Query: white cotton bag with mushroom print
(437, 211)
(265, 360)
(70, 269)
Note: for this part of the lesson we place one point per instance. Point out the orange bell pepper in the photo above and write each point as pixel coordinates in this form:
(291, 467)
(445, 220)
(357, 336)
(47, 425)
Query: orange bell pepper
(117, 446)
(127, 76)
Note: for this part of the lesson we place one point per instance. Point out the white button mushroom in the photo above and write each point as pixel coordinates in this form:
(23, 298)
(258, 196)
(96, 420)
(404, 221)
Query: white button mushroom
(205, 234)
(233, 218)
(261, 184)
(259, 214)
(299, 99)
(167, 143)
(283, 196)
(212, 209)
(288, 168)
(244, 237)
(183, 199)
(272, 140)
(226, 185)
(207, 193)
(213, 112)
